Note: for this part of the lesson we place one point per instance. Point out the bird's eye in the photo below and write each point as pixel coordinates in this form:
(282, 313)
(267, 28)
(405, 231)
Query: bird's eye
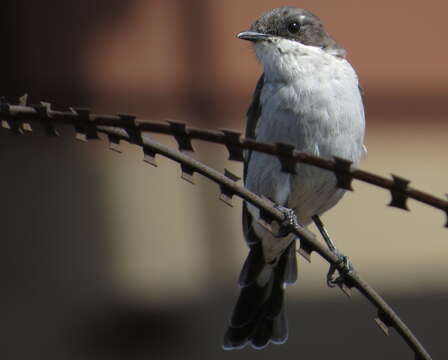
(294, 27)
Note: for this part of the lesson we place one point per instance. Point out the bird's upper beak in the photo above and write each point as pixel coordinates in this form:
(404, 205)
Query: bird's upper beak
(252, 36)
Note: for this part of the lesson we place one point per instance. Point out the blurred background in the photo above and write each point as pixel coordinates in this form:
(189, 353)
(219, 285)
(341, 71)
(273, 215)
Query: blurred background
(105, 257)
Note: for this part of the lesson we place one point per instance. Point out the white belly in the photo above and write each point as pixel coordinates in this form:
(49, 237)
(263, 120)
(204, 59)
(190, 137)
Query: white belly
(312, 101)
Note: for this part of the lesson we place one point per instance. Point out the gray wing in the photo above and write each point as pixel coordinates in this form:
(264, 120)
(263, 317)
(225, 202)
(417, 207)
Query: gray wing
(253, 114)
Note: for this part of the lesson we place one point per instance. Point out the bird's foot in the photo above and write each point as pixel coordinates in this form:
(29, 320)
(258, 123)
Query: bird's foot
(344, 267)
(289, 223)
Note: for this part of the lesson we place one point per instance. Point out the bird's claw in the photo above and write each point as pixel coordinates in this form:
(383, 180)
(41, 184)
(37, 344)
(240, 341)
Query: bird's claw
(289, 223)
(344, 267)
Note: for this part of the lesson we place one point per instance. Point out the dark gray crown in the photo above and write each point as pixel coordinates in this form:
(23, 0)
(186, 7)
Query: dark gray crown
(298, 25)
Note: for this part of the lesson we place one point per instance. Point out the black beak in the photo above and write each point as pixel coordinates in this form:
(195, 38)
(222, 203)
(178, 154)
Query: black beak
(252, 36)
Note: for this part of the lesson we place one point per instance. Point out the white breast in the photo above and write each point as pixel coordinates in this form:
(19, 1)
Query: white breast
(310, 99)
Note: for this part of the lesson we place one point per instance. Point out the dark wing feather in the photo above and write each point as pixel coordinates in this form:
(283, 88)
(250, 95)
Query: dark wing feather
(253, 114)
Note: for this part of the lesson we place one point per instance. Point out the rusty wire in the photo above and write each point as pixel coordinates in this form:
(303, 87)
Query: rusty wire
(17, 118)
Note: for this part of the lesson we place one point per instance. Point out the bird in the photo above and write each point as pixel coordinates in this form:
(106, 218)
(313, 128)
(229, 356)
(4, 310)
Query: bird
(308, 96)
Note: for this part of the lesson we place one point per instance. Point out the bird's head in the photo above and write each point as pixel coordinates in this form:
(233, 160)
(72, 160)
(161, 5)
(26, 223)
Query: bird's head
(294, 24)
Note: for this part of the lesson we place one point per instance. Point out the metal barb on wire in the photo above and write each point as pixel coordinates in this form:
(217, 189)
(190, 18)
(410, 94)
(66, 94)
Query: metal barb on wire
(232, 143)
(84, 127)
(343, 173)
(398, 193)
(227, 193)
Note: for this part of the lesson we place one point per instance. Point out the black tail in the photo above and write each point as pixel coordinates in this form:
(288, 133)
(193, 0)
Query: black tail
(259, 315)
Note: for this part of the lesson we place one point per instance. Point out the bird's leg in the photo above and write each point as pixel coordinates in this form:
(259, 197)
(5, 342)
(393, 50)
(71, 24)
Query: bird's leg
(289, 223)
(324, 233)
(344, 261)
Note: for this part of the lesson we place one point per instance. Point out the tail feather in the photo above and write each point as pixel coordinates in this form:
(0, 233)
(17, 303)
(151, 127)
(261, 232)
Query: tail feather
(259, 315)
(262, 334)
(280, 328)
(291, 265)
(253, 265)
(251, 300)
(237, 338)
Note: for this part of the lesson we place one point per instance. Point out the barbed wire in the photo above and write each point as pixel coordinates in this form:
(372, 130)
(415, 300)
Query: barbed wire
(17, 118)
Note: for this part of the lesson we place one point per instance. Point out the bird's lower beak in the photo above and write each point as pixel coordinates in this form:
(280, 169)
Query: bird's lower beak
(252, 36)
